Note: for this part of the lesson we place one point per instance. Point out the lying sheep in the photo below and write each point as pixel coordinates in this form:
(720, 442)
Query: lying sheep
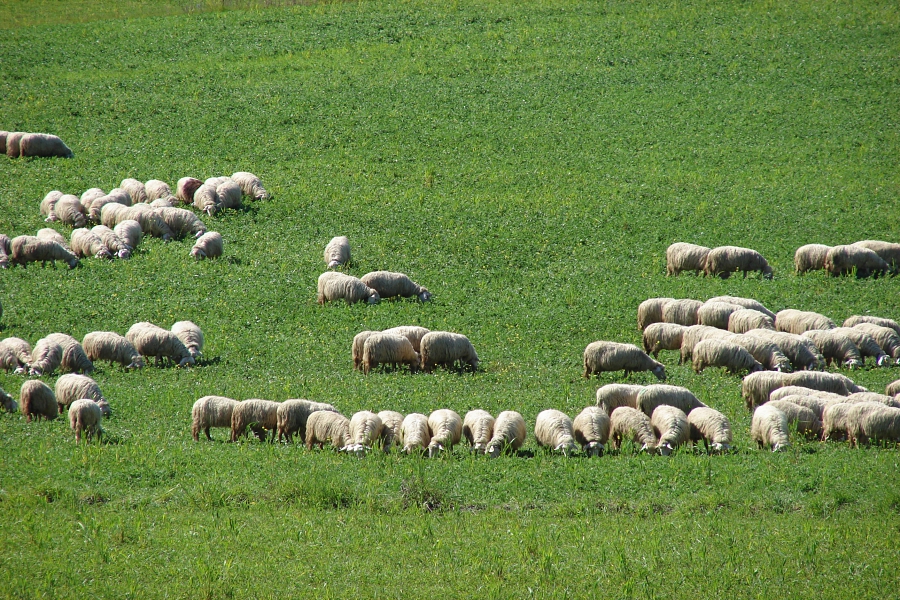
(130, 232)
(873, 421)
(181, 222)
(716, 314)
(206, 199)
(509, 433)
(74, 359)
(293, 414)
(337, 252)
(800, 351)
(415, 433)
(695, 334)
(68, 210)
(27, 248)
(185, 189)
(9, 405)
(613, 356)
(765, 352)
(712, 427)
(389, 285)
(250, 185)
(15, 355)
(411, 332)
(446, 431)
(683, 312)
(261, 416)
(37, 400)
(208, 245)
(670, 425)
(72, 387)
(446, 349)
(801, 417)
(365, 429)
(667, 395)
(43, 145)
(631, 424)
(613, 395)
(48, 204)
(190, 335)
(794, 321)
(723, 353)
(591, 430)
(151, 340)
(888, 251)
(845, 259)
(682, 256)
(662, 336)
(387, 348)
(810, 257)
(746, 303)
(725, 260)
(116, 245)
(356, 349)
(770, 428)
(5, 251)
(856, 319)
(338, 286)
(553, 429)
(135, 190)
(391, 421)
(836, 347)
(85, 417)
(885, 337)
(156, 189)
(651, 311)
(209, 412)
(324, 427)
(478, 429)
(742, 321)
(115, 196)
(86, 243)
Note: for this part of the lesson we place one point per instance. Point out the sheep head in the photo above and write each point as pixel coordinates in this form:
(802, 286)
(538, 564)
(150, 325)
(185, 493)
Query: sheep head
(374, 298)
(594, 449)
(660, 372)
(424, 295)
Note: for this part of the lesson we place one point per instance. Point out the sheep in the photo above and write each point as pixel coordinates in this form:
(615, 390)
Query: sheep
(712, 427)
(85, 417)
(261, 416)
(181, 222)
(71, 387)
(37, 400)
(651, 311)
(46, 357)
(151, 340)
(800, 351)
(43, 145)
(724, 260)
(337, 252)
(682, 256)
(116, 245)
(365, 429)
(115, 196)
(742, 321)
(795, 321)
(478, 429)
(670, 425)
(135, 190)
(165, 202)
(856, 319)
(695, 334)
(130, 232)
(632, 424)
(767, 353)
(670, 395)
(9, 405)
(836, 347)
(591, 430)
(13, 139)
(211, 411)
(356, 349)
(716, 314)
(390, 432)
(86, 243)
(157, 189)
(746, 303)
(293, 414)
(885, 337)
(206, 199)
(446, 431)
(338, 286)
(48, 204)
(74, 359)
(411, 332)
(888, 251)
(445, 348)
(185, 189)
(614, 356)
(151, 222)
(68, 210)
(325, 426)
(613, 395)
(802, 417)
(843, 260)
(27, 248)
(770, 428)
(228, 194)
(250, 185)
(892, 389)
(817, 404)
(662, 336)
(810, 257)
(389, 284)
(873, 421)
(3, 135)
(88, 197)
(858, 397)
(723, 353)
(553, 429)
(15, 355)
(190, 335)
(383, 348)
(835, 422)
(683, 312)
(509, 433)
(112, 347)
(5, 251)
(414, 433)
(208, 245)
(756, 387)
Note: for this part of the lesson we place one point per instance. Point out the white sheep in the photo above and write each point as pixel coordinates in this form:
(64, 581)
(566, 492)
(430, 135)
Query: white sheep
(86, 243)
(866, 344)
(208, 245)
(756, 387)
(13, 138)
(228, 193)
(810, 257)
(415, 433)
(613, 395)
(28, 248)
(338, 286)
(509, 433)
(387, 348)
(670, 425)
(883, 322)
(68, 210)
(156, 189)
(261, 416)
(553, 429)
(184, 190)
(85, 417)
(682, 256)
(716, 314)
(389, 285)
(49, 203)
(836, 347)
(742, 321)
(803, 418)
(478, 429)
(116, 245)
(446, 349)
(651, 311)
(167, 202)
(725, 260)
(446, 431)
(712, 427)
(43, 145)
(885, 337)
(769, 427)
(293, 414)
(845, 259)
(53, 235)
(88, 197)
(390, 432)
(37, 400)
(206, 199)
(791, 391)
(324, 427)
(181, 222)
(74, 358)
(15, 355)
(411, 332)
(152, 340)
(72, 387)
(631, 424)
(130, 232)
(888, 251)
(684, 312)
(835, 423)
(746, 303)
(667, 395)
(357, 347)
(892, 389)
(135, 189)
(250, 185)
(5, 251)
(115, 196)
(190, 335)
(613, 356)
(337, 252)
(873, 421)
(211, 411)
(815, 403)
(151, 222)
(800, 351)
(795, 321)
(9, 405)
(662, 336)
(695, 334)
(591, 430)
(723, 353)
(767, 353)
(45, 358)
(858, 397)
(365, 430)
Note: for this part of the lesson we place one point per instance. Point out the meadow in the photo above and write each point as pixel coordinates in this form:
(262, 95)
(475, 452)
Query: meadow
(529, 163)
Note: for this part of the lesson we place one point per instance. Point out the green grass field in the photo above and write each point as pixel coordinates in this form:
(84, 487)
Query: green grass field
(529, 163)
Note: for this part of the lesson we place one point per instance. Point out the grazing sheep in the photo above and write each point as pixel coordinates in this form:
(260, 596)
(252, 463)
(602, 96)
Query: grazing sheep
(873, 421)
(9, 405)
(816, 404)
(228, 194)
(250, 185)
(293, 414)
(892, 389)
(836, 347)
(181, 222)
(68, 210)
(695, 334)
(742, 321)
(724, 260)
(113, 213)
(843, 260)
(338, 286)
(835, 421)
(865, 343)
(37, 400)
(337, 252)
(28, 248)
(156, 189)
(324, 426)
(767, 353)
(15, 355)
(115, 196)
(211, 411)
(85, 417)
(591, 430)
(810, 257)
(13, 138)
(411, 332)
(190, 335)
(801, 417)
(74, 359)
(446, 430)
(71, 387)
(88, 197)
(478, 429)
(445, 348)
(716, 314)
(613, 356)
(185, 189)
(858, 397)
(770, 428)
(746, 303)
(712, 427)
(669, 395)
(389, 284)
(86, 243)
(613, 395)
(261, 416)
(116, 245)
(553, 429)
(662, 336)
(682, 256)
(43, 145)
(365, 430)
(800, 351)
(794, 321)
(885, 337)
(384, 348)
(151, 340)
(390, 432)
(46, 357)
(135, 189)
(723, 353)
(148, 218)
(167, 202)
(415, 433)
(130, 232)
(651, 311)
(48, 204)
(888, 251)
(206, 199)
(856, 319)
(5, 251)
(756, 387)
(356, 349)
(208, 245)
(509, 433)
(631, 424)
(684, 312)
(670, 425)
(789, 392)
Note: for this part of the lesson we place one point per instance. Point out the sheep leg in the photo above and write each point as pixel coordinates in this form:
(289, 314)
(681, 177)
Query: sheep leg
(208, 437)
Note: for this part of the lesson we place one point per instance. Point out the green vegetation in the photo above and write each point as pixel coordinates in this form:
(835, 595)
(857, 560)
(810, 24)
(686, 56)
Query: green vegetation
(529, 163)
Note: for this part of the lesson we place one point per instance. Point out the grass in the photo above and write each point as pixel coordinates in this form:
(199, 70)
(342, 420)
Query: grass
(529, 164)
